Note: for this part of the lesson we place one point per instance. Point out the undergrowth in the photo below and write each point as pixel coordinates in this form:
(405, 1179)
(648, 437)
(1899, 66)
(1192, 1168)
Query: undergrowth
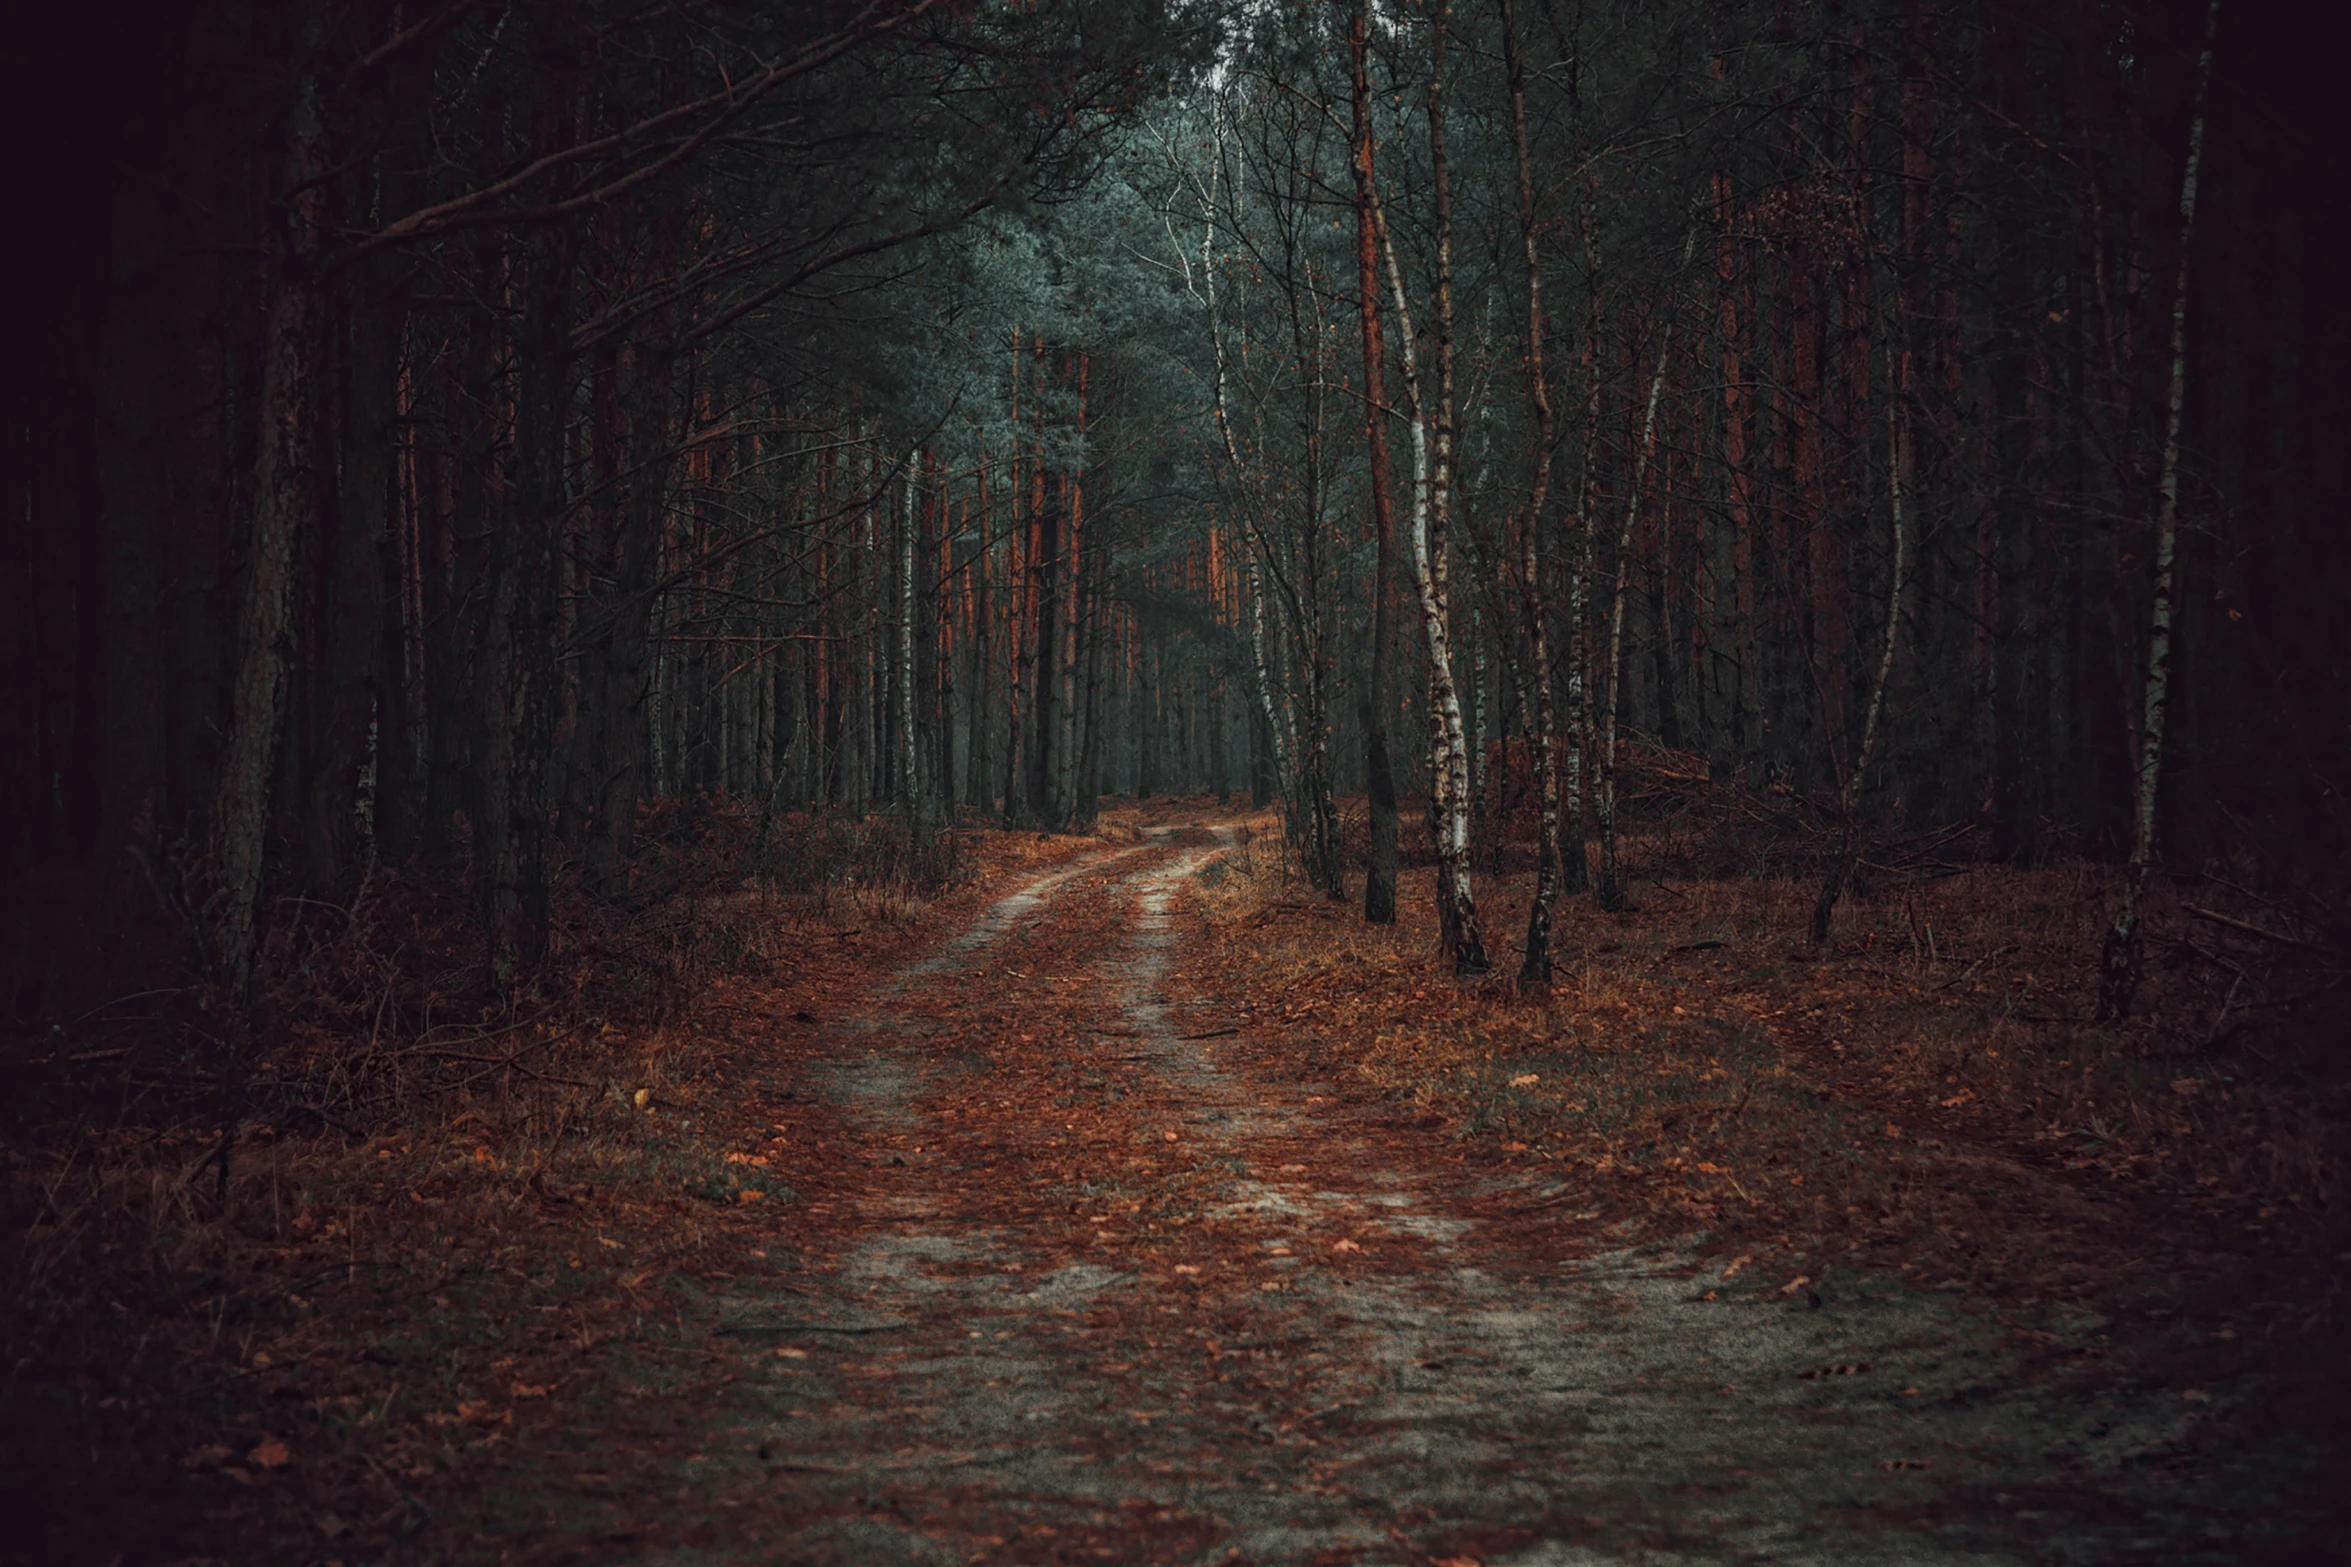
(1927, 1093)
(325, 1246)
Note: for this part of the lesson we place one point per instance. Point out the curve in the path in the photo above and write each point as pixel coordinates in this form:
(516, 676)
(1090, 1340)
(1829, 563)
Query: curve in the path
(1332, 1354)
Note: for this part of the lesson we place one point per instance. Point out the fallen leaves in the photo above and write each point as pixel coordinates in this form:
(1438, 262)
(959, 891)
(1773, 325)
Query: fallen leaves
(478, 1412)
(270, 1453)
(1231, 1282)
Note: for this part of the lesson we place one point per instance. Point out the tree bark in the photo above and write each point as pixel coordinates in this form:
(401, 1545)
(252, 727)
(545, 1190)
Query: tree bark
(1019, 601)
(1379, 882)
(621, 602)
(1448, 777)
(1575, 874)
(981, 752)
(1543, 722)
(1466, 930)
(283, 495)
(1612, 891)
(542, 403)
(908, 785)
(2119, 962)
(352, 698)
(1849, 794)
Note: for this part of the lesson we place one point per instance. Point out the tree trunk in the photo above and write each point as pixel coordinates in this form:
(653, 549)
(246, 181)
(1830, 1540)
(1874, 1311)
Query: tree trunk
(352, 699)
(1575, 874)
(542, 404)
(1849, 794)
(1543, 721)
(1448, 770)
(906, 767)
(1076, 551)
(1262, 681)
(623, 605)
(1611, 879)
(981, 747)
(283, 494)
(1019, 602)
(1094, 599)
(1379, 882)
(1435, 546)
(2118, 967)
(1045, 686)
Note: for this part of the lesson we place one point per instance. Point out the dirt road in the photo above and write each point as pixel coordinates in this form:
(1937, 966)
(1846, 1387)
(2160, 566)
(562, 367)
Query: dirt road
(1101, 1280)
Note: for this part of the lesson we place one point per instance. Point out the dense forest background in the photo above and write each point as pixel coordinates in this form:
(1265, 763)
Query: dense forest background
(555, 546)
(448, 442)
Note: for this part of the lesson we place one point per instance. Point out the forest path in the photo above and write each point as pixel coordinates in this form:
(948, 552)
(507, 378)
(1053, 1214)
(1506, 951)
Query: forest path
(1096, 1281)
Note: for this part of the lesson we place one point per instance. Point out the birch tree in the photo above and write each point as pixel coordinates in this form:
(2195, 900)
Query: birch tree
(2119, 961)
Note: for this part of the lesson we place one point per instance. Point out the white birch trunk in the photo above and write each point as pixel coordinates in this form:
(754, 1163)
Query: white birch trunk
(2119, 963)
(1604, 798)
(1275, 727)
(907, 792)
(1448, 777)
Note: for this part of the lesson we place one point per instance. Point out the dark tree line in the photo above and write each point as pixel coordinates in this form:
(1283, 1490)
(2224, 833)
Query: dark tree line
(1822, 391)
(430, 411)
(438, 434)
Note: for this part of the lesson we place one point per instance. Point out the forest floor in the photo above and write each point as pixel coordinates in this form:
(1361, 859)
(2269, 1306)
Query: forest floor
(1128, 1205)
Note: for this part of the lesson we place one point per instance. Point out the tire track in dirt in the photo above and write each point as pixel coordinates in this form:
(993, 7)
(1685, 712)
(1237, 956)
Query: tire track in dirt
(880, 1086)
(1114, 1285)
(1488, 1404)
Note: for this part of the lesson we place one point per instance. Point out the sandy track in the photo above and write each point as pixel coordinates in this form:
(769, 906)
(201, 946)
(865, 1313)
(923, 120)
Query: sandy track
(1105, 1290)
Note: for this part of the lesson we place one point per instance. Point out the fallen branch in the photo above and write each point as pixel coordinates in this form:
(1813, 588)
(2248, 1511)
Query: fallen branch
(2251, 929)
